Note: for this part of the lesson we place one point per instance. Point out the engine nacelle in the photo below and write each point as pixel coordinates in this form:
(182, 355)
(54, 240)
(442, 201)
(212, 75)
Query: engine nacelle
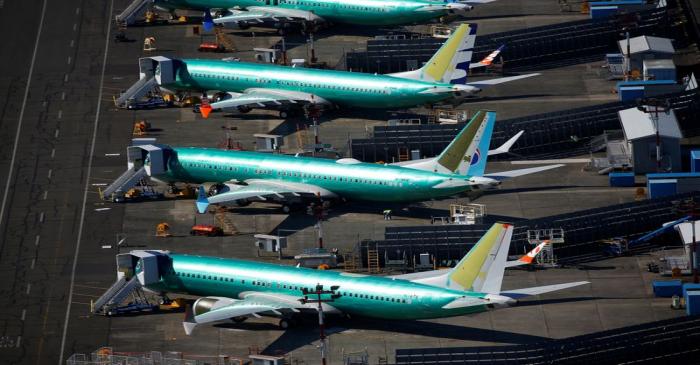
(207, 304)
(213, 188)
(484, 183)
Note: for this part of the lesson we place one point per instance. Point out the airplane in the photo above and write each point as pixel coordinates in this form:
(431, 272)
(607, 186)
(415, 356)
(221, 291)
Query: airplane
(231, 289)
(311, 14)
(243, 86)
(237, 178)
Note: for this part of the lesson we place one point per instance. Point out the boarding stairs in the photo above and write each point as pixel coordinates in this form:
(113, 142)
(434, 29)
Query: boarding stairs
(124, 182)
(116, 294)
(136, 91)
(224, 222)
(136, 9)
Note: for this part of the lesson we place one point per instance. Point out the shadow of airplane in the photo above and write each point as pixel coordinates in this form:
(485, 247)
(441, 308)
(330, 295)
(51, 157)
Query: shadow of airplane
(295, 338)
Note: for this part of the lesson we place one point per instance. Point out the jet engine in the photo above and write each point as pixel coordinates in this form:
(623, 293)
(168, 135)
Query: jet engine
(484, 183)
(206, 304)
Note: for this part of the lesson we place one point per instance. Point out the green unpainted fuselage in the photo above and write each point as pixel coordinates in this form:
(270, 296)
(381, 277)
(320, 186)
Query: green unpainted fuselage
(358, 181)
(360, 12)
(361, 295)
(349, 89)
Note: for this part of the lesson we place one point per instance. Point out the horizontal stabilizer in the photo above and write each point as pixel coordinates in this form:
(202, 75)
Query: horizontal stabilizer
(521, 293)
(490, 82)
(505, 148)
(520, 172)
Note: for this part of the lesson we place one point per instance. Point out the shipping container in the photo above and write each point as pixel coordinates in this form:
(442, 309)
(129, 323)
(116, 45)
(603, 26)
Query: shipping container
(695, 161)
(658, 188)
(690, 287)
(663, 69)
(692, 303)
(667, 288)
(621, 179)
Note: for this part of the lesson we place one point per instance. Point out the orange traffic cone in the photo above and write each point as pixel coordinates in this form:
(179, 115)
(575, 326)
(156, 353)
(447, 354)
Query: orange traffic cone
(205, 109)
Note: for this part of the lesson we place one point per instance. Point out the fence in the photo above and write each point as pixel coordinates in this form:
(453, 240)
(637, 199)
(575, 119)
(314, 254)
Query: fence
(548, 135)
(669, 341)
(583, 229)
(532, 48)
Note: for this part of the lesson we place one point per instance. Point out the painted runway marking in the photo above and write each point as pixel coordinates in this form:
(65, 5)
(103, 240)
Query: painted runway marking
(36, 240)
(49, 174)
(69, 60)
(112, 154)
(21, 112)
(65, 78)
(72, 43)
(99, 184)
(46, 194)
(55, 134)
(29, 288)
(41, 217)
(53, 150)
(60, 114)
(63, 95)
(33, 263)
(24, 314)
(75, 26)
(87, 185)
(102, 209)
(19, 340)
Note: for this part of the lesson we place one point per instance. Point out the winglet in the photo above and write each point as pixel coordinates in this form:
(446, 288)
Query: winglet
(189, 323)
(529, 257)
(208, 22)
(505, 147)
(488, 60)
(202, 201)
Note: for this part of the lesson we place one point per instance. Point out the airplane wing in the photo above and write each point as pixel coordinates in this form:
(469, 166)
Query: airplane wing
(215, 309)
(520, 293)
(261, 190)
(491, 82)
(264, 98)
(520, 172)
(260, 14)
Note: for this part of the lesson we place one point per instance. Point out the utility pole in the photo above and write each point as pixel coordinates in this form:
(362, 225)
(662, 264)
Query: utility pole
(318, 212)
(331, 296)
(653, 106)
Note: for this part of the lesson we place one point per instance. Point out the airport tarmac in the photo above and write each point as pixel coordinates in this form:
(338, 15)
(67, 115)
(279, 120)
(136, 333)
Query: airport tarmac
(54, 229)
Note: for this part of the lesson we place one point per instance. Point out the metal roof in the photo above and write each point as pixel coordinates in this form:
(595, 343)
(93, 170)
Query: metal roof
(637, 124)
(646, 44)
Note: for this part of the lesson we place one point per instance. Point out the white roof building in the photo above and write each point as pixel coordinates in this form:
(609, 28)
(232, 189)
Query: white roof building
(644, 44)
(637, 124)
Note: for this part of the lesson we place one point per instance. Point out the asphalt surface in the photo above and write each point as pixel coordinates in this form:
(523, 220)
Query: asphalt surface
(53, 126)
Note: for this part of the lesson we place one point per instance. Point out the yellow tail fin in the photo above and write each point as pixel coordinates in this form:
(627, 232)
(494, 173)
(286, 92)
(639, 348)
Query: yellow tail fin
(481, 269)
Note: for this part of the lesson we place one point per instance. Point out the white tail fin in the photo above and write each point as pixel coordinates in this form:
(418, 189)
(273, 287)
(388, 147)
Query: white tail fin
(466, 153)
(451, 62)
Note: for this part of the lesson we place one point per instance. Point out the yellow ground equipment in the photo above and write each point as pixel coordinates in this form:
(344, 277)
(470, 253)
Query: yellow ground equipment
(141, 128)
(149, 44)
(163, 230)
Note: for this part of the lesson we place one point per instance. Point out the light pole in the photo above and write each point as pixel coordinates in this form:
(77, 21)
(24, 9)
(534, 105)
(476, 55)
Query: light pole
(331, 296)
(653, 106)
